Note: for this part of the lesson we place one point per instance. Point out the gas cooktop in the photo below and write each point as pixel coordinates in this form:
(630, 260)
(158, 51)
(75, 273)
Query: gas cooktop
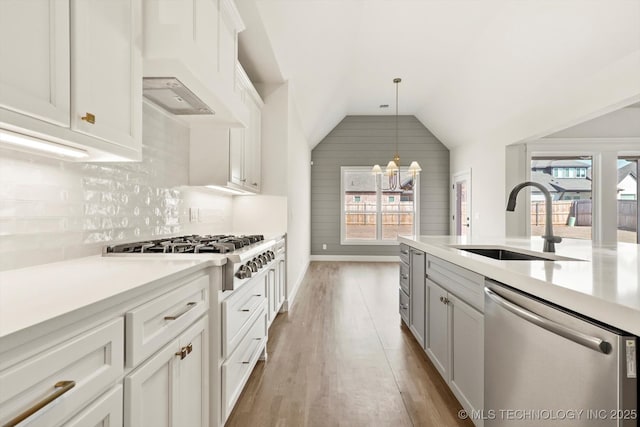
(217, 244)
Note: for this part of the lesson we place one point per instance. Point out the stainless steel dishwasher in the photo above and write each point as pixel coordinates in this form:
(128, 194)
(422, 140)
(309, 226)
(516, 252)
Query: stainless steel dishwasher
(545, 366)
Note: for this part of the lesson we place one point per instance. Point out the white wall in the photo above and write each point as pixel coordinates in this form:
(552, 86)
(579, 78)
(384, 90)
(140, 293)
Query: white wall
(261, 214)
(488, 200)
(299, 203)
(284, 205)
(51, 210)
(622, 123)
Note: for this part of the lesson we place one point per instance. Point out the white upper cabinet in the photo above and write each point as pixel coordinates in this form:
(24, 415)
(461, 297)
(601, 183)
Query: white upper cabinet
(230, 157)
(34, 53)
(195, 42)
(107, 70)
(245, 143)
(71, 76)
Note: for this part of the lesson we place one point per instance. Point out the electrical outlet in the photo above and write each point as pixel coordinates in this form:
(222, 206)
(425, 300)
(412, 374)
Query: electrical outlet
(324, 246)
(193, 214)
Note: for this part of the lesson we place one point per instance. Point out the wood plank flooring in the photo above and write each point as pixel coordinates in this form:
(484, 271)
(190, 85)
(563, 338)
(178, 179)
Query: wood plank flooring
(340, 357)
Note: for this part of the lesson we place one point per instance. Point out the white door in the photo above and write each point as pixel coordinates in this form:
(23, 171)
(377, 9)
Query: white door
(236, 155)
(34, 53)
(252, 147)
(106, 65)
(151, 391)
(461, 197)
(193, 374)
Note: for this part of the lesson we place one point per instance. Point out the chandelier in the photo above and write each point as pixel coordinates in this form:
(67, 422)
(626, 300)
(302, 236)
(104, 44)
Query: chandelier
(393, 167)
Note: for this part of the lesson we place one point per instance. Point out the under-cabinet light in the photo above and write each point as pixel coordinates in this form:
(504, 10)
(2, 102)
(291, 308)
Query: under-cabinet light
(42, 145)
(229, 190)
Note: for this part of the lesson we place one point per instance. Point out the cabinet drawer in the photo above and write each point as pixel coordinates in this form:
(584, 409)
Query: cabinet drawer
(404, 278)
(466, 284)
(404, 253)
(104, 412)
(152, 325)
(239, 310)
(404, 307)
(92, 361)
(237, 368)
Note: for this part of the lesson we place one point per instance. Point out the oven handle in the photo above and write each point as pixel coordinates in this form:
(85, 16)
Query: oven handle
(583, 339)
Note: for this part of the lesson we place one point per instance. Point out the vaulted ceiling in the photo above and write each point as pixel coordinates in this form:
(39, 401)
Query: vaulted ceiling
(472, 71)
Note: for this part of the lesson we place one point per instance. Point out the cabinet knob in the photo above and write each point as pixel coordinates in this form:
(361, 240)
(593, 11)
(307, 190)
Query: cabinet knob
(89, 118)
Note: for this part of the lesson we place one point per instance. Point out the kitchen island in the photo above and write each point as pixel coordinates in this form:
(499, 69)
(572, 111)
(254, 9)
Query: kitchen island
(603, 285)
(481, 335)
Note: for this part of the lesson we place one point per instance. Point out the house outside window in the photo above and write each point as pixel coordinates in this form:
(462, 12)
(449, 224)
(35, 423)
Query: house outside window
(381, 213)
(568, 180)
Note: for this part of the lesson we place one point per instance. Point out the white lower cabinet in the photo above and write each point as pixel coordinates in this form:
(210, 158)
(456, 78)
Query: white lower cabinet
(171, 388)
(237, 368)
(48, 388)
(106, 411)
(244, 325)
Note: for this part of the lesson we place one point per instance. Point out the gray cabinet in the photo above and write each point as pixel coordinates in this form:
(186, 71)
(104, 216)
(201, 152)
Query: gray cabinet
(436, 344)
(467, 354)
(417, 286)
(404, 298)
(455, 330)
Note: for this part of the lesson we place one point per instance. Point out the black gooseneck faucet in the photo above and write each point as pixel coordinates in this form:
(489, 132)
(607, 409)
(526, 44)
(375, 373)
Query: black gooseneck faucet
(549, 239)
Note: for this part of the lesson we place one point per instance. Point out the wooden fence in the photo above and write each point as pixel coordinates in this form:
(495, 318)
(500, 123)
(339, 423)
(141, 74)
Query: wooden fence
(581, 210)
(365, 214)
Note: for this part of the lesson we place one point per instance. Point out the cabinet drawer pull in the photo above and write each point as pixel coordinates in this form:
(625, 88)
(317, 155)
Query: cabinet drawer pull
(255, 184)
(253, 352)
(61, 386)
(182, 313)
(254, 306)
(404, 276)
(404, 252)
(404, 306)
(89, 118)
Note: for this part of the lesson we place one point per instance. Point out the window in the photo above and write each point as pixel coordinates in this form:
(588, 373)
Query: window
(380, 213)
(569, 182)
(628, 200)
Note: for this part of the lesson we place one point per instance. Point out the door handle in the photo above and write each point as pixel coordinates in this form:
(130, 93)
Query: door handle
(576, 336)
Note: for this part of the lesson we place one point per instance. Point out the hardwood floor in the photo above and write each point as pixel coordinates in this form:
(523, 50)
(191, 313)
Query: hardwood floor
(340, 357)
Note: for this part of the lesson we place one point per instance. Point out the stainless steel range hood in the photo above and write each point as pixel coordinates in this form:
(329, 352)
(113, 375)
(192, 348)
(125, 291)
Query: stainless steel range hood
(170, 94)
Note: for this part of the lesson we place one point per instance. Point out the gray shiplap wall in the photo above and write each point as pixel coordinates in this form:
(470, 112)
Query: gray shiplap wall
(365, 141)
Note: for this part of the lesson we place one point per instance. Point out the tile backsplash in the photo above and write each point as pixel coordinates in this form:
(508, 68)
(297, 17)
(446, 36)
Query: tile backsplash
(51, 210)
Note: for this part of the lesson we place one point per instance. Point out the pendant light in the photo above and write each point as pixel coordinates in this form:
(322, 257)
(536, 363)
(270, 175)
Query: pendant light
(392, 170)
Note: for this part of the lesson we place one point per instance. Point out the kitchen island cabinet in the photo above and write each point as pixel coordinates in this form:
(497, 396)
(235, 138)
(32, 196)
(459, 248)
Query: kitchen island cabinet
(589, 280)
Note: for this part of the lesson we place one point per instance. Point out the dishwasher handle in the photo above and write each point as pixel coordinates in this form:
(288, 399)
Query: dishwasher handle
(583, 339)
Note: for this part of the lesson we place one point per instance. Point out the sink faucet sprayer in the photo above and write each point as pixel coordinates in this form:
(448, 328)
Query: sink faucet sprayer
(549, 239)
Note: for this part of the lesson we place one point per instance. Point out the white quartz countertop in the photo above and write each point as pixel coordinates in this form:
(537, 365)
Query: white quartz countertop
(32, 295)
(604, 286)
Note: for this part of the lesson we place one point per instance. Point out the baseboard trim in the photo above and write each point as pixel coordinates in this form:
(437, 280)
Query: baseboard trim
(358, 258)
(288, 303)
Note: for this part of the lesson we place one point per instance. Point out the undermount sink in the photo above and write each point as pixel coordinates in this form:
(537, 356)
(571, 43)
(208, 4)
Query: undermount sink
(505, 254)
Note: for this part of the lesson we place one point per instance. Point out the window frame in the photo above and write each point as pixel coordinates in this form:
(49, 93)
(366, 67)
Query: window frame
(604, 152)
(379, 194)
